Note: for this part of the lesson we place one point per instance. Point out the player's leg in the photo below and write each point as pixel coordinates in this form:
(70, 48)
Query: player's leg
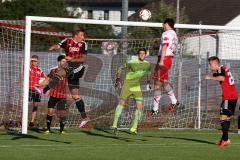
(62, 110)
(36, 98)
(226, 111)
(125, 93)
(239, 122)
(51, 104)
(61, 73)
(169, 90)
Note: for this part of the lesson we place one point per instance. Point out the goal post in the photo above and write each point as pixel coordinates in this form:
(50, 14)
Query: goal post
(30, 19)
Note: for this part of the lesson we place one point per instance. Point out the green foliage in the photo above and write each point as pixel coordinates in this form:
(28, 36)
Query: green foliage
(18, 9)
(159, 14)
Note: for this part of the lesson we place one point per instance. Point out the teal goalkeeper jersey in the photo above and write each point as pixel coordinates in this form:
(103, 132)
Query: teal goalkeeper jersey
(136, 69)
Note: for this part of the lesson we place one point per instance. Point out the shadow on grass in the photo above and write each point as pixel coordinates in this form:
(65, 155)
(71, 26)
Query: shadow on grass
(18, 136)
(111, 136)
(181, 138)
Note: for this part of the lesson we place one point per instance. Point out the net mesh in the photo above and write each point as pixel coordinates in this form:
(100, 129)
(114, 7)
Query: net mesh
(105, 55)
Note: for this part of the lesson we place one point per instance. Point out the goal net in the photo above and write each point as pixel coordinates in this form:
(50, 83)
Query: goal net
(108, 48)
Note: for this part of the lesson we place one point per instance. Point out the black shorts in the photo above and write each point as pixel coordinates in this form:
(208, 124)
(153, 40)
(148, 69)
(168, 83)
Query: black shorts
(61, 103)
(34, 96)
(73, 78)
(228, 107)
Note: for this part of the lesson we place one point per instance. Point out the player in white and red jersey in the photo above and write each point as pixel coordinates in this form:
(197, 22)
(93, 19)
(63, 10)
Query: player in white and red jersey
(229, 96)
(57, 95)
(166, 53)
(36, 75)
(76, 55)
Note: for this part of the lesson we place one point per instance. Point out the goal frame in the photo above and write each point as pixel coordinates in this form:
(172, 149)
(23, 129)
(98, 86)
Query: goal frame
(27, 49)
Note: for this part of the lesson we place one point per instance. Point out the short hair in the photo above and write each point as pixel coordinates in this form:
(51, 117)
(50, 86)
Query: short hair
(142, 49)
(213, 58)
(34, 56)
(170, 22)
(61, 57)
(75, 32)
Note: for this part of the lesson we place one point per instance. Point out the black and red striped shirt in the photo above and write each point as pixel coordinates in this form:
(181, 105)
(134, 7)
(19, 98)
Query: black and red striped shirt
(229, 91)
(73, 48)
(60, 90)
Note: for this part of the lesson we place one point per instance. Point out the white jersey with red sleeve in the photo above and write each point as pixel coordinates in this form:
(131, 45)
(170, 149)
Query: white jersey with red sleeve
(170, 39)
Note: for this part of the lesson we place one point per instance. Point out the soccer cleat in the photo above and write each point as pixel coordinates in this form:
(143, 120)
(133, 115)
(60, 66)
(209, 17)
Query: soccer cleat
(84, 122)
(172, 107)
(223, 143)
(62, 132)
(115, 130)
(31, 125)
(152, 113)
(133, 130)
(47, 132)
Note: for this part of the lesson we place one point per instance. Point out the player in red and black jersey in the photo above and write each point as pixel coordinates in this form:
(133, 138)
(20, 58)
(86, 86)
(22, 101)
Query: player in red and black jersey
(58, 95)
(36, 75)
(76, 55)
(229, 96)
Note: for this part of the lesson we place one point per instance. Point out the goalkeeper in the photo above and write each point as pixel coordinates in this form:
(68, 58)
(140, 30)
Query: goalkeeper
(136, 69)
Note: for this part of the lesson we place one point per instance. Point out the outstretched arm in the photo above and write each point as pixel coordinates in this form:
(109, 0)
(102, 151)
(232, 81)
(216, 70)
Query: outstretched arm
(54, 47)
(217, 78)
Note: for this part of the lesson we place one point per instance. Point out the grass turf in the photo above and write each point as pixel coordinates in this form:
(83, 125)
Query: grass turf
(103, 145)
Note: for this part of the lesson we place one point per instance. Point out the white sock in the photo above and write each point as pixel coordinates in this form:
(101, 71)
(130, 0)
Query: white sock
(156, 100)
(172, 97)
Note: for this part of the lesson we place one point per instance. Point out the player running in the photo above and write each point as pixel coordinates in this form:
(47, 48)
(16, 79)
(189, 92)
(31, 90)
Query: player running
(136, 69)
(58, 95)
(36, 76)
(229, 96)
(76, 55)
(166, 53)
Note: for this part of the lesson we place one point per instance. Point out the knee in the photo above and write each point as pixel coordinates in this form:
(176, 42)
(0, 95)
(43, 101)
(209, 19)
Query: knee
(35, 108)
(224, 118)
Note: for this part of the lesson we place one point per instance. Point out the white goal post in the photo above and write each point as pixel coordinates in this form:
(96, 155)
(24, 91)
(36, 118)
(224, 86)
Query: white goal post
(30, 19)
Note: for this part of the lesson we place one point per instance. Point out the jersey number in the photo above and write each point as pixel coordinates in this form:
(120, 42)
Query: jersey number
(231, 79)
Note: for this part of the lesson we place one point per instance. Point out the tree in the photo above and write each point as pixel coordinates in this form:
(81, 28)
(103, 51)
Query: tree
(18, 9)
(159, 14)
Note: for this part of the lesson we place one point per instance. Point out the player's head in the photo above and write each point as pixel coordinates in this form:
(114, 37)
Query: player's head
(168, 24)
(34, 60)
(214, 63)
(79, 35)
(142, 52)
(62, 60)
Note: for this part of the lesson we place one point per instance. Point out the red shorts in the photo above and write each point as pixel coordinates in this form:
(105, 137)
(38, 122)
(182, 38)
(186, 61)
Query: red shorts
(161, 72)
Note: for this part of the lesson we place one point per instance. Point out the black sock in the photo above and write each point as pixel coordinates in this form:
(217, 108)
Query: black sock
(225, 127)
(49, 121)
(62, 122)
(81, 107)
(238, 122)
(52, 83)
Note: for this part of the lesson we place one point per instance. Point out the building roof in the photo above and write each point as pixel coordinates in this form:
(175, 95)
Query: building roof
(212, 12)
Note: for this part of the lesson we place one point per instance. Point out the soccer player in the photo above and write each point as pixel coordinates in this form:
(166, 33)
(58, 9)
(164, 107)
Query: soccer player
(136, 69)
(166, 53)
(36, 76)
(76, 55)
(58, 95)
(229, 96)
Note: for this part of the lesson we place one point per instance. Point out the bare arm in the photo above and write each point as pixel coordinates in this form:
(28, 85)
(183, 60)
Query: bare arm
(217, 78)
(164, 51)
(54, 47)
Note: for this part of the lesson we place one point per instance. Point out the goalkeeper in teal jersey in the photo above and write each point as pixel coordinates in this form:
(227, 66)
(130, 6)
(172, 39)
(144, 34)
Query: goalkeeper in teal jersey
(136, 69)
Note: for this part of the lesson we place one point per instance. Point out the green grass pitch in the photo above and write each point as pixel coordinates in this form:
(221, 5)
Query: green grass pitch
(103, 145)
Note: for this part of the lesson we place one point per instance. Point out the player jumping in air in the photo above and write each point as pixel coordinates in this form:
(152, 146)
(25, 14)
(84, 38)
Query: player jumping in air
(58, 95)
(76, 55)
(166, 53)
(36, 76)
(229, 96)
(136, 69)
